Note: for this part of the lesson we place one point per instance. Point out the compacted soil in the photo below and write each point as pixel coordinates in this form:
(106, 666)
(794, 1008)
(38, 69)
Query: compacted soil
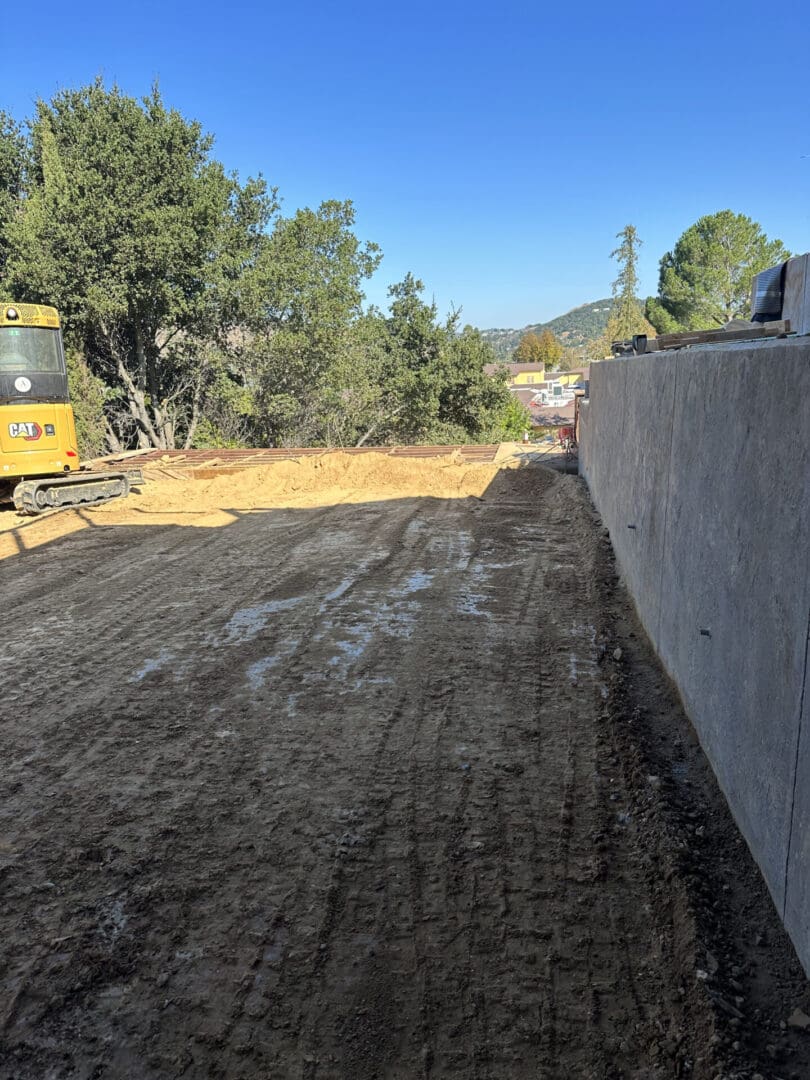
(362, 769)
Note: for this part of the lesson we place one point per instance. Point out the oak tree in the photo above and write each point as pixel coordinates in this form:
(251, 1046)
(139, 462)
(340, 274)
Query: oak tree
(131, 228)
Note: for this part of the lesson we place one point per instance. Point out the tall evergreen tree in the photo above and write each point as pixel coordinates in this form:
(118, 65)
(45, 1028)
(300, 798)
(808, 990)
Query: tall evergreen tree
(626, 318)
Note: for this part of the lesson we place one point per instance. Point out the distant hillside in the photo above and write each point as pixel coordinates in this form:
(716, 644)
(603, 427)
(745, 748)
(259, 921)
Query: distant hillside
(574, 329)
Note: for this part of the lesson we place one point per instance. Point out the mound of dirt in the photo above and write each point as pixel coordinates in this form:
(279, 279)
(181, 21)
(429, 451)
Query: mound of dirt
(322, 481)
(202, 498)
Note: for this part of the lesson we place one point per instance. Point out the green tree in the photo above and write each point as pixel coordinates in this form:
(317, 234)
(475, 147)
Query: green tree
(438, 369)
(195, 315)
(706, 279)
(409, 376)
(410, 341)
(627, 315)
(470, 400)
(509, 423)
(304, 298)
(14, 159)
(143, 241)
(658, 316)
(551, 350)
(542, 348)
(528, 349)
(88, 395)
(626, 318)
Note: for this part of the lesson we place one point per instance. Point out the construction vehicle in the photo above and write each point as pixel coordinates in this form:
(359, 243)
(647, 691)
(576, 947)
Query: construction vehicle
(39, 453)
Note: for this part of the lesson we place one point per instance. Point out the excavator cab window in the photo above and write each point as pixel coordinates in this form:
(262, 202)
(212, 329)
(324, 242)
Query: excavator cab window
(30, 348)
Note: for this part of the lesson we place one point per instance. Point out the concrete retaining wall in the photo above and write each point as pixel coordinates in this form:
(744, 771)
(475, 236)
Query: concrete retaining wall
(706, 452)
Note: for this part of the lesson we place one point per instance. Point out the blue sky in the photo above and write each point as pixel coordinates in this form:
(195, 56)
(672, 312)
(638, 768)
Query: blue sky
(494, 151)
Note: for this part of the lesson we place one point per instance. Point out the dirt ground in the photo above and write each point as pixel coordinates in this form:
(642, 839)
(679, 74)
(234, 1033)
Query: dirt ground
(361, 768)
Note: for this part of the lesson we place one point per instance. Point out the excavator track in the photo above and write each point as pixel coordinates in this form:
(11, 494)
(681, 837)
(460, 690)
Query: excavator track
(80, 489)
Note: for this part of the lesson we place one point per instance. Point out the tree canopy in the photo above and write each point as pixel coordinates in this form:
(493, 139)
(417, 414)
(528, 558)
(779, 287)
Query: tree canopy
(542, 348)
(706, 279)
(14, 151)
(404, 376)
(195, 313)
(140, 238)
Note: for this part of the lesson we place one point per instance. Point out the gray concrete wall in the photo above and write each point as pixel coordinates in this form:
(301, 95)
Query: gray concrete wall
(706, 452)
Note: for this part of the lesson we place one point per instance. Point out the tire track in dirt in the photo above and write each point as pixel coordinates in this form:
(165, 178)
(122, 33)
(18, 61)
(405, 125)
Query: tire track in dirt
(399, 800)
(364, 818)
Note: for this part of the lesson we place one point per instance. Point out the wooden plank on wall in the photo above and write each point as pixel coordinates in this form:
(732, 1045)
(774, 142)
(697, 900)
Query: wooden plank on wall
(708, 337)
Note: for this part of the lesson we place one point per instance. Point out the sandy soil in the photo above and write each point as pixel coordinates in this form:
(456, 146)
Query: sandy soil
(331, 770)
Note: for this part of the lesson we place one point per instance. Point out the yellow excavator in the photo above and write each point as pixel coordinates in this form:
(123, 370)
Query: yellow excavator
(39, 453)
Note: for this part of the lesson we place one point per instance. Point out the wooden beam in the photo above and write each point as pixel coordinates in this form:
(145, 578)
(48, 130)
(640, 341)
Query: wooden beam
(710, 337)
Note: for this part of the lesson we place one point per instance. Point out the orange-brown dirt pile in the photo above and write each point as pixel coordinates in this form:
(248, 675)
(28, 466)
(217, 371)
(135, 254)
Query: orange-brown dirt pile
(318, 481)
(194, 498)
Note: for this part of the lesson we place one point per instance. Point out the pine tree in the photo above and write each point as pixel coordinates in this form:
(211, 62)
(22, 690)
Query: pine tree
(706, 279)
(627, 317)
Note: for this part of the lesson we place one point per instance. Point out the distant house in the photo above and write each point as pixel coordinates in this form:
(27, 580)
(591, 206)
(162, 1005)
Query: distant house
(549, 396)
(551, 402)
(557, 387)
(569, 378)
(519, 374)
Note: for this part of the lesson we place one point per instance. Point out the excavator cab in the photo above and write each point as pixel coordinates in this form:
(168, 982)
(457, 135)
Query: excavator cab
(37, 430)
(33, 349)
(39, 450)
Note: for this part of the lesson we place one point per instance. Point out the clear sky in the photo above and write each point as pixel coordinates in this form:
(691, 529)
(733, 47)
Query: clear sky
(494, 150)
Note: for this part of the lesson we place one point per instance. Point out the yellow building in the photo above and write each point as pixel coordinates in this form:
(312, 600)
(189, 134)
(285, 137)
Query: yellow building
(568, 378)
(519, 374)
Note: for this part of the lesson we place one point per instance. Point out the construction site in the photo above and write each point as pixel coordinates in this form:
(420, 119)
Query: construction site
(404, 531)
(329, 765)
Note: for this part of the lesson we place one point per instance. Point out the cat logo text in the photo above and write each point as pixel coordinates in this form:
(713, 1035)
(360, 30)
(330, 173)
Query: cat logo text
(26, 430)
